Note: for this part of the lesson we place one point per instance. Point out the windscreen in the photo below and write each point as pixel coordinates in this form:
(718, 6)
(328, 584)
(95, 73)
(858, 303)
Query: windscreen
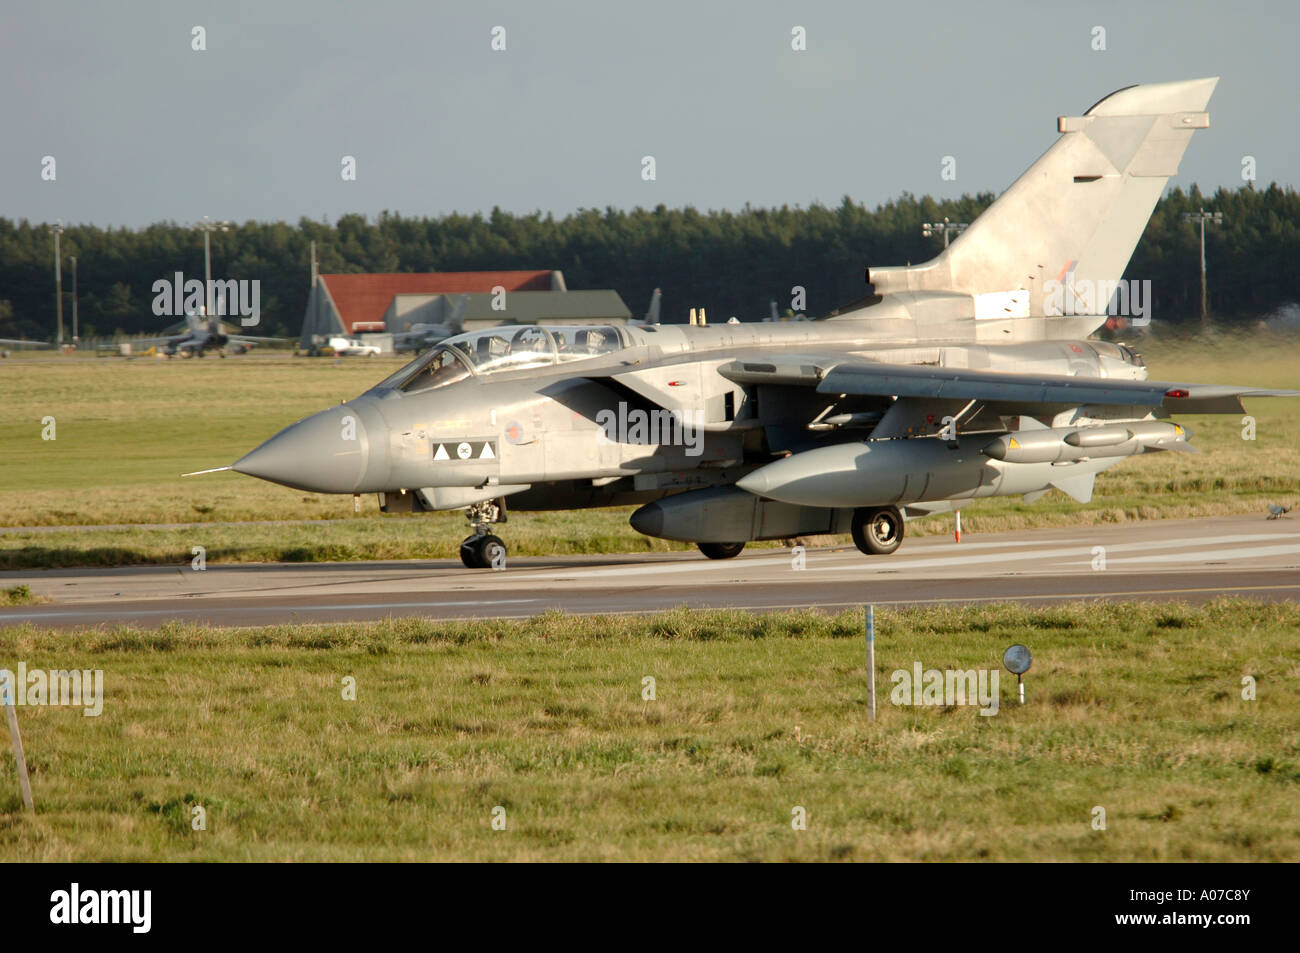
(435, 368)
(513, 347)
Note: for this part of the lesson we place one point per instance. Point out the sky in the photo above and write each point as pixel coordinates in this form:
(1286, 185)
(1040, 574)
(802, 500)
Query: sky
(144, 128)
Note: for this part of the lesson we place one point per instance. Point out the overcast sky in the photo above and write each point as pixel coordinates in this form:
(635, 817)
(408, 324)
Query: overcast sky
(143, 128)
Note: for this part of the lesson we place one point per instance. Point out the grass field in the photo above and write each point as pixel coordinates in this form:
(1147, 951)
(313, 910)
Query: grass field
(1134, 708)
(127, 429)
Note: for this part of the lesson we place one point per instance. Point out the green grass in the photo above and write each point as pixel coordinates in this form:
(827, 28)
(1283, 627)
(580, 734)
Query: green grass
(19, 596)
(1135, 708)
(126, 430)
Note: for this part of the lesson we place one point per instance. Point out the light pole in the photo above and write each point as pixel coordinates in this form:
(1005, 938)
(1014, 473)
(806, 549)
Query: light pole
(208, 226)
(947, 228)
(76, 338)
(1202, 217)
(58, 281)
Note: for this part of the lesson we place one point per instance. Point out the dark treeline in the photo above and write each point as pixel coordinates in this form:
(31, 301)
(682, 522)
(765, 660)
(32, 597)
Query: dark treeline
(732, 263)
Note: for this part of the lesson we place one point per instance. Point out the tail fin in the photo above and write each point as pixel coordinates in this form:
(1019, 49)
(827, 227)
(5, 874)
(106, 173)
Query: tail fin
(1075, 214)
(652, 314)
(456, 320)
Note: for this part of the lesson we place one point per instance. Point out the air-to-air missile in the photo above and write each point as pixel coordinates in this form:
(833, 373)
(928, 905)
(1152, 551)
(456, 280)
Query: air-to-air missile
(1071, 444)
(957, 379)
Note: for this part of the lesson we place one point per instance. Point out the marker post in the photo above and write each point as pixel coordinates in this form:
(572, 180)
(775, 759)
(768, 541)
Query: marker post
(1017, 659)
(871, 662)
(24, 782)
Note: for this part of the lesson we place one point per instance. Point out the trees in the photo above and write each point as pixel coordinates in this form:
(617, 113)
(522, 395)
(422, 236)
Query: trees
(729, 262)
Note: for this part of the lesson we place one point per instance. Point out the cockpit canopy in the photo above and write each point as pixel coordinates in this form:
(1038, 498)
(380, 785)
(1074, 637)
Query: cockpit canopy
(504, 348)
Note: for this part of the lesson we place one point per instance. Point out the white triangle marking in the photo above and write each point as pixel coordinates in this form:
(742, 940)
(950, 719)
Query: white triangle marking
(441, 453)
(487, 453)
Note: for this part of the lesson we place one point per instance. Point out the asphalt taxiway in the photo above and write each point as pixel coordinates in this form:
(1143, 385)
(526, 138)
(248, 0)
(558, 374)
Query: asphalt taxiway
(1164, 560)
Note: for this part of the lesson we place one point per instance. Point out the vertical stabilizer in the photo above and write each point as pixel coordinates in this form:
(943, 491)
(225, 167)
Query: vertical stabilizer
(1075, 216)
(652, 314)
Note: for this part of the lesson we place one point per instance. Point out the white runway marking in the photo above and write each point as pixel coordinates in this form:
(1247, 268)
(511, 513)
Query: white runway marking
(1083, 548)
(855, 560)
(1214, 556)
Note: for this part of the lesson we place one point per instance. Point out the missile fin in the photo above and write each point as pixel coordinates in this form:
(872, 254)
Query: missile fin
(1079, 487)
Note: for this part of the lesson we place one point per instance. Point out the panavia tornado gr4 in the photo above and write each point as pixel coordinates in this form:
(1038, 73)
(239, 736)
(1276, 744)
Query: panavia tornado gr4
(964, 377)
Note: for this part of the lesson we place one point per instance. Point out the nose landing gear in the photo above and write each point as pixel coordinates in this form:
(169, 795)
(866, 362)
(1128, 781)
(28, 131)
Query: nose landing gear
(482, 550)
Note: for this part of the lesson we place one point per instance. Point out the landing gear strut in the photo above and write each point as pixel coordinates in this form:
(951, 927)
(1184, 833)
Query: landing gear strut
(879, 531)
(482, 550)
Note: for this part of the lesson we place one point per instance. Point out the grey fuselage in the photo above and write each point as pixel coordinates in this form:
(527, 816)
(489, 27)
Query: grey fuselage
(541, 435)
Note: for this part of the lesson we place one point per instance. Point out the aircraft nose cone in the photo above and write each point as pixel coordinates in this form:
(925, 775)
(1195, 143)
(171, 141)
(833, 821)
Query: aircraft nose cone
(323, 453)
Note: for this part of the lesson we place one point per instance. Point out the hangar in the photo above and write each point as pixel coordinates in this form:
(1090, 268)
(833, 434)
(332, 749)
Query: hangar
(382, 304)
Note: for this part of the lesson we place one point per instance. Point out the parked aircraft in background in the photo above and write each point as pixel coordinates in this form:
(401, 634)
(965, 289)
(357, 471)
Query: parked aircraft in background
(199, 337)
(421, 336)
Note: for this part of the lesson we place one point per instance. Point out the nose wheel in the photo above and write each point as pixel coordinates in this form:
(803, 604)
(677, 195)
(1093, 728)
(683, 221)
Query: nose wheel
(483, 552)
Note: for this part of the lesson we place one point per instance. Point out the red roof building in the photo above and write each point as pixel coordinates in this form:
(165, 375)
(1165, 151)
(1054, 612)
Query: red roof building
(354, 304)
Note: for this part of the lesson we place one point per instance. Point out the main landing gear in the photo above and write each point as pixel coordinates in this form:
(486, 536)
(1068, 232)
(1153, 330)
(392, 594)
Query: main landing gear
(721, 550)
(879, 531)
(482, 550)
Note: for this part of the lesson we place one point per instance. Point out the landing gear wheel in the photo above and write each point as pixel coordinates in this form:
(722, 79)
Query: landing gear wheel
(483, 552)
(492, 552)
(721, 550)
(877, 532)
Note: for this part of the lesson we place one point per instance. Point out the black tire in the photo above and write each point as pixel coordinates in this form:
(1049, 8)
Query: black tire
(491, 549)
(721, 550)
(878, 532)
(470, 554)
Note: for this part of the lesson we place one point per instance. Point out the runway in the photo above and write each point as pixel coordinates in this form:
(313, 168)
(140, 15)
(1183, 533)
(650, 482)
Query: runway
(1161, 560)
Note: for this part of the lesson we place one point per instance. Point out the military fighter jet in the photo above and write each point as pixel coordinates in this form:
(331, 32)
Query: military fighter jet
(421, 336)
(960, 378)
(200, 336)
